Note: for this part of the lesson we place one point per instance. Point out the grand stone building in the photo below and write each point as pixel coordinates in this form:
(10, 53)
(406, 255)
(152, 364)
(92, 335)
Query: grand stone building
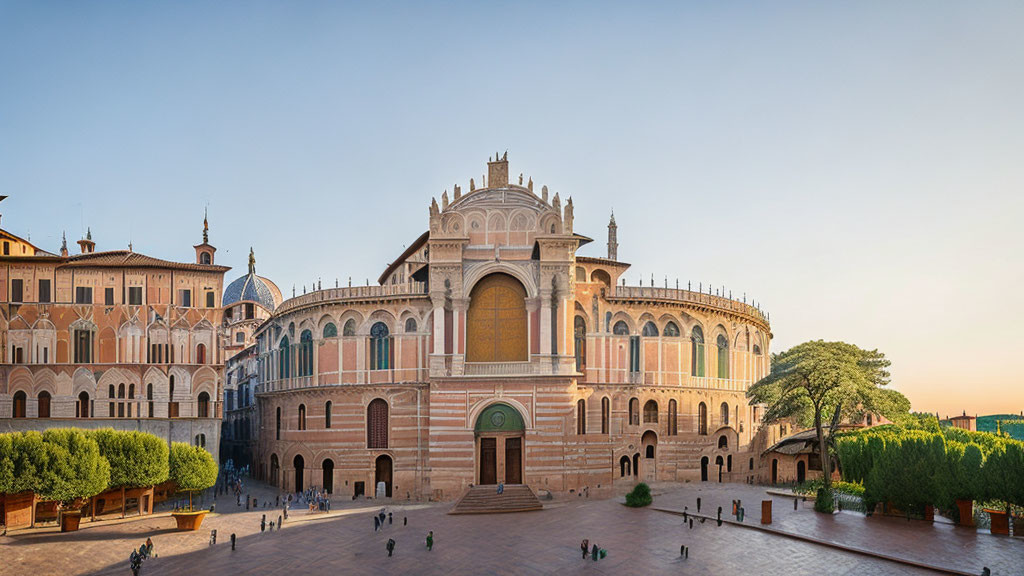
(110, 339)
(489, 351)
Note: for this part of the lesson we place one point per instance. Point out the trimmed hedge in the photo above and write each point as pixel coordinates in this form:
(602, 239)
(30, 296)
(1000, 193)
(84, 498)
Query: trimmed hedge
(66, 464)
(915, 468)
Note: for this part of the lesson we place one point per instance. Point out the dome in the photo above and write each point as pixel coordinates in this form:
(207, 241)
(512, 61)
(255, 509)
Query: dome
(252, 288)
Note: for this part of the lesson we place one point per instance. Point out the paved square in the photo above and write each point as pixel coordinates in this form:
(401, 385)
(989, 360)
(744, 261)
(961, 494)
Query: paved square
(642, 541)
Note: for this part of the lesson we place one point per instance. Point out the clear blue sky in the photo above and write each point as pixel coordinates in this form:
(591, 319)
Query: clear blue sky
(857, 166)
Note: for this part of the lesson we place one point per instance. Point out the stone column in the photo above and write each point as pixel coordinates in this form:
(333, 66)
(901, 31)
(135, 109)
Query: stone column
(545, 322)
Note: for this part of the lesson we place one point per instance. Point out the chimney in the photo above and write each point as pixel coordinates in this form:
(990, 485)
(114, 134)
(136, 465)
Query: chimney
(497, 172)
(88, 246)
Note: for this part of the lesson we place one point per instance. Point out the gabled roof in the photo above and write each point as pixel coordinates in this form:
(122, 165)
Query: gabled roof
(416, 245)
(129, 259)
(37, 250)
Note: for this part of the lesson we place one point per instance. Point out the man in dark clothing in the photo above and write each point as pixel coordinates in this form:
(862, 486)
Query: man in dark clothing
(594, 555)
(585, 546)
(430, 541)
(391, 546)
(135, 562)
(376, 523)
(389, 518)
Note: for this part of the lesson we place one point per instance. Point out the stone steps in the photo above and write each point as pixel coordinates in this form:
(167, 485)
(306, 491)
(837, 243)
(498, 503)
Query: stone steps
(486, 500)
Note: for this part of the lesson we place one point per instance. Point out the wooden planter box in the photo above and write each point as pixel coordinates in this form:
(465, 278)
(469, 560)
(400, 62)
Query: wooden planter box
(70, 520)
(1000, 521)
(1018, 526)
(189, 520)
(929, 513)
(966, 508)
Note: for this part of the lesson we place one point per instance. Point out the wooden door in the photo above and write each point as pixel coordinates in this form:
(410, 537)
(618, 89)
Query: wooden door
(513, 460)
(488, 461)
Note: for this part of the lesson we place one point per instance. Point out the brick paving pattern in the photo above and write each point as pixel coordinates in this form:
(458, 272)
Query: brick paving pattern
(638, 542)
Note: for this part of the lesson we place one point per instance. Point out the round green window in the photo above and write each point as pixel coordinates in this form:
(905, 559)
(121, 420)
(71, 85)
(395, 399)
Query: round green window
(499, 418)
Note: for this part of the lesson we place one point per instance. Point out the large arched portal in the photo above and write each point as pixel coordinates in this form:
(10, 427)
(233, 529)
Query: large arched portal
(300, 468)
(499, 438)
(496, 328)
(650, 443)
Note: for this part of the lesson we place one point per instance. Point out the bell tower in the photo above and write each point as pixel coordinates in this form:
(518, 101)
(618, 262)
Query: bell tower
(613, 239)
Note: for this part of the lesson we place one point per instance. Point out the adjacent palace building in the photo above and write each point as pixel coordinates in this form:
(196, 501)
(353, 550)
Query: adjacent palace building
(490, 352)
(111, 339)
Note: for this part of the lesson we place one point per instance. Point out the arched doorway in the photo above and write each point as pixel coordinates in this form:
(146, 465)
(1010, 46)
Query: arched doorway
(499, 437)
(300, 465)
(624, 467)
(275, 470)
(775, 470)
(636, 464)
(704, 469)
(496, 321)
(650, 443)
(328, 482)
(801, 472)
(383, 470)
(720, 463)
(83, 405)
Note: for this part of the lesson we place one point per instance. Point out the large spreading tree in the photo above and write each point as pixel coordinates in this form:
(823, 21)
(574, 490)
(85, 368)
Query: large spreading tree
(818, 381)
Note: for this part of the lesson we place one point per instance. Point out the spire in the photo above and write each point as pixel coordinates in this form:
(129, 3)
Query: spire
(64, 244)
(206, 228)
(88, 234)
(613, 238)
(252, 262)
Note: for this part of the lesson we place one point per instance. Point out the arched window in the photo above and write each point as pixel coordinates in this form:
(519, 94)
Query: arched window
(306, 353)
(581, 274)
(607, 321)
(82, 406)
(204, 258)
(697, 351)
(580, 339)
(327, 414)
(723, 356)
(650, 412)
(284, 362)
(620, 329)
(410, 325)
(149, 398)
(278, 427)
(172, 406)
(20, 400)
(496, 321)
(581, 416)
(204, 405)
(728, 463)
(702, 419)
(605, 413)
(377, 425)
(111, 394)
(350, 328)
(380, 347)
(302, 416)
(724, 410)
(671, 330)
(723, 442)
(673, 418)
(330, 330)
(757, 350)
(634, 411)
(751, 463)
(650, 330)
(624, 467)
(201, 354)
(120, 397)
(44, 404)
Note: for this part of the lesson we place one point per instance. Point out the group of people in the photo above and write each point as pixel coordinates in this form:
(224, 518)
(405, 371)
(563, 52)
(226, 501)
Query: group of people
(384, 517)
(595, 552)
(138, 556)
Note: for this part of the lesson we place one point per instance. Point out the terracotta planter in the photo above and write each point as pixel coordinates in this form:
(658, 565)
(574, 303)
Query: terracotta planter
(966, 508)
(1000, 521)
(69, 520)
(189, 520)
(1018, 526)
(929, 513)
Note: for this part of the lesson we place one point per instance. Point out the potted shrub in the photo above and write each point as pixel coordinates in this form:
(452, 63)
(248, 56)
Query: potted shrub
(74, 471)
(191, 468)
(136, 459)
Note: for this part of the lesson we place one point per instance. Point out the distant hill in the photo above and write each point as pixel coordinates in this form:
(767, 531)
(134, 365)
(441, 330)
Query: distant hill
(1015, 430)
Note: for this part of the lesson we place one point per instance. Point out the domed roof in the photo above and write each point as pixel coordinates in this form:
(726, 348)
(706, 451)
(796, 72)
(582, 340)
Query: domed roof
(253, 288)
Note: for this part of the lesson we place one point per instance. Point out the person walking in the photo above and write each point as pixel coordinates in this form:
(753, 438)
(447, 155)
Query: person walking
(135, 562)
(263, 523)
(389, 518)
(430, 541)
(501, 487)
(376, 523)
(391, 546)
(595, 550)
(585, 546)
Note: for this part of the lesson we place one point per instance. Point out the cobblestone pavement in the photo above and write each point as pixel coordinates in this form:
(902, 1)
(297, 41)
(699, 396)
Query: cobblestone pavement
(638, 542)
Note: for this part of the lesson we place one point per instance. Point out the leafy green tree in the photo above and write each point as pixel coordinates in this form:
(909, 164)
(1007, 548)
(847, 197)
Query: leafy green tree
(820, 380)
(136, 458)
(27, 460)
(74, 468)
(192, 468)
